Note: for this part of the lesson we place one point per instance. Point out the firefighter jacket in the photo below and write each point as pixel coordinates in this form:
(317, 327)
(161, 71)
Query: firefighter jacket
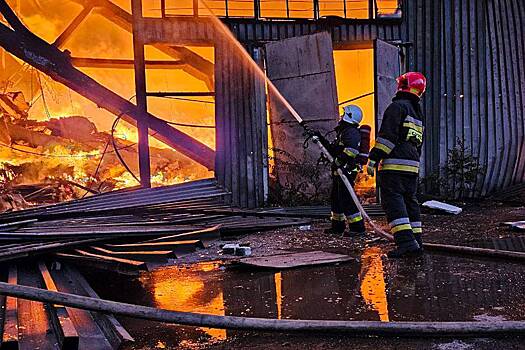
(346, 146)
(398, 143)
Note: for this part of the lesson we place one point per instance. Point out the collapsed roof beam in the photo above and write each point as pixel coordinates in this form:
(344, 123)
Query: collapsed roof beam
(84, 62)
(70, 29)
(196, 65)
(53, 62)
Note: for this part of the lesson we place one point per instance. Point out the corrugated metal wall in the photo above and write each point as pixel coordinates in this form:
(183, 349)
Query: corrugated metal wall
(241, 132)
(473, 53)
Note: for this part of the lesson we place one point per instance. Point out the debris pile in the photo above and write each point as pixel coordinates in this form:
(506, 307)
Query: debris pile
(65, 158)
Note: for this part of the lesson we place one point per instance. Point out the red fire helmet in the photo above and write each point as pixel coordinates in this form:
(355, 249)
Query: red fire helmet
(413, 82)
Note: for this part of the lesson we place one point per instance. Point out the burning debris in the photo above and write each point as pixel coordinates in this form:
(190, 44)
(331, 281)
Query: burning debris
(65, 158)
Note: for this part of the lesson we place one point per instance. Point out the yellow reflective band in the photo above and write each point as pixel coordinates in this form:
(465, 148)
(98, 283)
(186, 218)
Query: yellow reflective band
(356, 219)
(338, 217)
(397, 167)
(401, 228)
(417, 230)
(349, 152)
(413, 126)
(383, 148)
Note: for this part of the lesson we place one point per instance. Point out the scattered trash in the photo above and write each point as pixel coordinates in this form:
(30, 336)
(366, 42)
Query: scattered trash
(515, 225)
(236, 249)
(448, 208)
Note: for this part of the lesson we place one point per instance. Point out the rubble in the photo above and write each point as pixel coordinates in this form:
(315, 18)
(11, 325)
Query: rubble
(65, 158)
(440, 206)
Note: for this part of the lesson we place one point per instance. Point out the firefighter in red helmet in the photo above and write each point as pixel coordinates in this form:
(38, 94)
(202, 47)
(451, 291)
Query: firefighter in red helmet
(396, 157)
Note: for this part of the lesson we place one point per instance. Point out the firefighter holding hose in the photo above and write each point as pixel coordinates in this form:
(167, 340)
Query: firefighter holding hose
(350, 152)
(396, 157)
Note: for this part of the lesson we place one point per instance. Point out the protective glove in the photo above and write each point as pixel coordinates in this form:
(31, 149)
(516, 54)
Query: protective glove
(371, 168)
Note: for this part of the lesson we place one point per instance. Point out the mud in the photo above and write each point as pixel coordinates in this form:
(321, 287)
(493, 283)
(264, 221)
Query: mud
(434, 287)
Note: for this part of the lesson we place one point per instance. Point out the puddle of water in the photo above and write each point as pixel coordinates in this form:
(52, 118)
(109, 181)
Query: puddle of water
(434, 288)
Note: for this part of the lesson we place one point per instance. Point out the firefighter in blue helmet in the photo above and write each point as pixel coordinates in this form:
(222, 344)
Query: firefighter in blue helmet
(349, 152)
(396, 156)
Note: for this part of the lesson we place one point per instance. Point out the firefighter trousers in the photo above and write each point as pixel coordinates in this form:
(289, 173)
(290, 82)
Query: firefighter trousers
(398, 198)
(343, 207)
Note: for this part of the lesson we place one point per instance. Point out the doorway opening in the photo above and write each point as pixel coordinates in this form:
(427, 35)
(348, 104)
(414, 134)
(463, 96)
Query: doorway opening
(355, 79)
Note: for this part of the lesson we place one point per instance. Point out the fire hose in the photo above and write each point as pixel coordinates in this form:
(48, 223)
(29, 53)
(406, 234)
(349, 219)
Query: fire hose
(317, 139)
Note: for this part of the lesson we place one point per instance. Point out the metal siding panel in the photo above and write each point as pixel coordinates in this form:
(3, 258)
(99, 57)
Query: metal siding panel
(436, 98)
(519, 14)
(220, 99)
(503, 106)
(494, 100)
(516, 91)
(509, 74)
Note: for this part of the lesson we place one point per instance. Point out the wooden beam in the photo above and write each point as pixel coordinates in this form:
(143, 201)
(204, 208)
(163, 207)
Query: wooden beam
(197, 66)
(113, 63)
(10, 335)
(11, 18)
(65, 330)
(72, 27)
(354, 328)
(140, 95)
(180, 94)
(57, 65)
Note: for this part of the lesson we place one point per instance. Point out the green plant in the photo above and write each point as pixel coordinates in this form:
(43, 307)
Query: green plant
(297, 182)
(457, 178)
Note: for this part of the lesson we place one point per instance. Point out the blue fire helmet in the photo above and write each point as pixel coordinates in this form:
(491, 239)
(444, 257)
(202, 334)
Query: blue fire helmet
(353, 114)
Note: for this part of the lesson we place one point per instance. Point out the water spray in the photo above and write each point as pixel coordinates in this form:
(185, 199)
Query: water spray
(271, 87)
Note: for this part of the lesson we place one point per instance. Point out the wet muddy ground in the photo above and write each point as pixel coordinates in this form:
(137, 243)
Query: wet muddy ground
(434, 287)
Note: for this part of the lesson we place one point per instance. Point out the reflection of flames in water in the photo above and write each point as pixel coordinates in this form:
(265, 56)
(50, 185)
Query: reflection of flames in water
(373, 287)
(188, 289)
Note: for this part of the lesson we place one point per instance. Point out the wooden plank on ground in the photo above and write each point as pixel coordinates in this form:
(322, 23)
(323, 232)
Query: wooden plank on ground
(34, 319)
(148, 256)
(114, 332)
(64, 328)
(90, 334)
(10, 335)
(175, 246)
(139, 264)
(292, 260)
(202, 235)
(98, 263)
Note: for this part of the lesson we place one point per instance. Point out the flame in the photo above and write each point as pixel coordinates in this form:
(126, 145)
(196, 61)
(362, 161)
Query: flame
(98, 37)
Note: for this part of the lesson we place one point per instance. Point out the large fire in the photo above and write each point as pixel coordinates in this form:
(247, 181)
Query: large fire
(52, 137)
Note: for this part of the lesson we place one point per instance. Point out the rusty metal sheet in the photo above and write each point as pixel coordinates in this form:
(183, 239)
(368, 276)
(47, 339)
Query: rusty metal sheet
(387, 69)
(302, 69)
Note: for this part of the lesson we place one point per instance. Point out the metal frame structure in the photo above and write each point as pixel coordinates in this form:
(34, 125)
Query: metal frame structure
(372, 8)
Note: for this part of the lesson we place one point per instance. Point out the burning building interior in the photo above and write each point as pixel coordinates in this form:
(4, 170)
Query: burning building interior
(141, 138)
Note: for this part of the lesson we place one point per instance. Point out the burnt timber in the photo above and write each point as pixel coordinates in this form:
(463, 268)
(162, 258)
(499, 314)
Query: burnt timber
(56, 64)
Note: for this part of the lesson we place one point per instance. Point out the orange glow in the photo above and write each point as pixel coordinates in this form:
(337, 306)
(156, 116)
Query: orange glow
(354, 73)
(190, 292)
(373, 287)
(97, 37)
(387, 6)
(352, 9)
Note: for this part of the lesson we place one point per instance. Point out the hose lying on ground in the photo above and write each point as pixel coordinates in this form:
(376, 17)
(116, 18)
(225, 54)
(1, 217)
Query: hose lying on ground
(353, 328)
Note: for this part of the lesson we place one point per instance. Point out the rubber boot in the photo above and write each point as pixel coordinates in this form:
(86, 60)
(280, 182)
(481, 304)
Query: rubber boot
(357, 228)
(338, 228)
(407, 245)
